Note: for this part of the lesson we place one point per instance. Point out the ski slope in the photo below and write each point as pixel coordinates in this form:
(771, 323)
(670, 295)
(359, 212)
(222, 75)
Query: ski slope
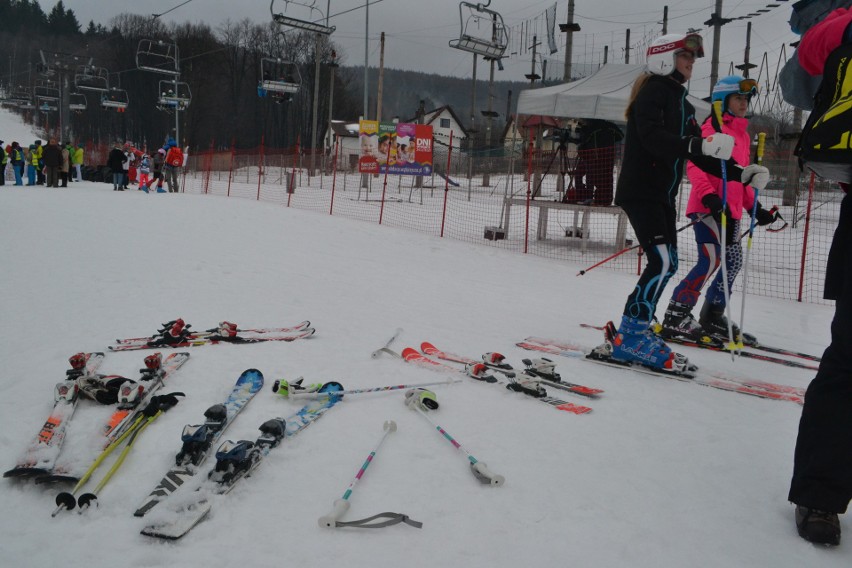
(662, 473)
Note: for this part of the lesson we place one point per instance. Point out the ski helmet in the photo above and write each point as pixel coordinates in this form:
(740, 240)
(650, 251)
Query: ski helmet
(732, 85)
(662, 53)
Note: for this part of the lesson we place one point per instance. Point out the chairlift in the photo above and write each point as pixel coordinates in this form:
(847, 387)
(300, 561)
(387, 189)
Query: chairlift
(158, 56)
(91, 78)
(116, 99)
(47, 105)
(26, 105)
(482, 31)
(305, 25)
(77, 102)
(174, 95)
(46, 90)
(279, 77)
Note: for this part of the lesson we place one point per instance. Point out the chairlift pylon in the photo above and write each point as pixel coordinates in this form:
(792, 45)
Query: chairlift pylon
(158, 56)
(91, 78)
(482, 31)
(305, 25)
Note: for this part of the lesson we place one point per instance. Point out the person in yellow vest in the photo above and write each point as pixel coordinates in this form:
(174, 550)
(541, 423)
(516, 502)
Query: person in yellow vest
(4, 159)
(37, 162)
(77, 161)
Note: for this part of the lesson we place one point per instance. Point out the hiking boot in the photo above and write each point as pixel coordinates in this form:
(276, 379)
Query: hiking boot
(818, 527)
(636, 342)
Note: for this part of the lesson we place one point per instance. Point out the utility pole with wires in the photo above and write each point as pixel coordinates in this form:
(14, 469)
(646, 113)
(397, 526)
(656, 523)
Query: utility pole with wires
(568, 29)
(717, 21)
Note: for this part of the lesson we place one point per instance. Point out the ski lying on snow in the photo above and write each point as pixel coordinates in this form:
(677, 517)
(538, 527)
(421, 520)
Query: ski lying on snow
(722, 381)
(40, 456)
(232, 465)
(136, 396)
(198, 441)
(582, 390)
(211, 332)
(758, 346)
(214, 340)
(410, 355)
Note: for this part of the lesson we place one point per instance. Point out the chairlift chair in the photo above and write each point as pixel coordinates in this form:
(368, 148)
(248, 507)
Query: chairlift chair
(48, 105)
(305, 25)
(77, 102)
(116, 99)
(171, 98)
(46, 91)
(482, 31)
(158, 56)
(91, 78)
(279, 76)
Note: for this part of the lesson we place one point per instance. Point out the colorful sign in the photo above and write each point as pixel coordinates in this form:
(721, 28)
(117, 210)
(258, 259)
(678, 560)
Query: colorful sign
(395, 148)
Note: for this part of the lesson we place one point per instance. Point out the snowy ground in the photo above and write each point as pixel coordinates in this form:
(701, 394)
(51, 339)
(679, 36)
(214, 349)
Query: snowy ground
(661, 474)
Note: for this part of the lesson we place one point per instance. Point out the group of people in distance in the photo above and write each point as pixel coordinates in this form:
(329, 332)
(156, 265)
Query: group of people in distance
(662, 137)
(48, 165)
(125, 161)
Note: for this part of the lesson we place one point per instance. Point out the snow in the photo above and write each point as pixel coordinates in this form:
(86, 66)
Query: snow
(661, 473)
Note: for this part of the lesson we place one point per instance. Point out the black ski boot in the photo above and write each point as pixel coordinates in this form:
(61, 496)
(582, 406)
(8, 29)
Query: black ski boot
(714, 322)
(679, 323)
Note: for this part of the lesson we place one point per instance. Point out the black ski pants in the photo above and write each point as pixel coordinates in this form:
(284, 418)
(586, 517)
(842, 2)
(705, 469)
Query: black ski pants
(655, 228)
(822, 467)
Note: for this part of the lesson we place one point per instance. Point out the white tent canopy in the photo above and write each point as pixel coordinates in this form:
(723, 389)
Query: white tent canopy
(603, 95)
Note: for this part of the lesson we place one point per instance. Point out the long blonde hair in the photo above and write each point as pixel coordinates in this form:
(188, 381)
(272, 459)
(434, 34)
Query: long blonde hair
(637, 86)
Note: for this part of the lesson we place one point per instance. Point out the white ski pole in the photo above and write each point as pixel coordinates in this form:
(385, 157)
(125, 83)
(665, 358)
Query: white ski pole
(332, 519)
(424, 400)
(316, 394)
(717, 113)
(761, 143)
(386, 348)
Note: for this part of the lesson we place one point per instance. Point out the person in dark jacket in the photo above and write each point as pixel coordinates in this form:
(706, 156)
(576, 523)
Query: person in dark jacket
(596, 160)
(821, 486)
(662, 133)
(16, 158)
(115, 162)
(52, 160)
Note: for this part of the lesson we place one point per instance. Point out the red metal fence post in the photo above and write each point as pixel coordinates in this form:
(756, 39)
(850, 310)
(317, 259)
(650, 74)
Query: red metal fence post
(529, 194)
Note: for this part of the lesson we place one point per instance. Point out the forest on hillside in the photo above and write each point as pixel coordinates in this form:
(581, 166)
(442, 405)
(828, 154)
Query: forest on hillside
(222, 67)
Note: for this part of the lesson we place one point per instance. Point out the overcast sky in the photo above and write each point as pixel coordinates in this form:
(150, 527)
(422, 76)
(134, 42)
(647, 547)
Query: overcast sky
(417, 31)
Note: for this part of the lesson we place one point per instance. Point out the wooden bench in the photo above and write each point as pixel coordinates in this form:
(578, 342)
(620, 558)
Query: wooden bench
(582, 214)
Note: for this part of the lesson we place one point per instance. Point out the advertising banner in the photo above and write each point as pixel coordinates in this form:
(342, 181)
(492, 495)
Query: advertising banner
(395, 148)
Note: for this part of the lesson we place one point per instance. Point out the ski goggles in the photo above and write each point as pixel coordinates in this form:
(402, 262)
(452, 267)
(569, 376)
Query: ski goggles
(692, 43)
(748, 87)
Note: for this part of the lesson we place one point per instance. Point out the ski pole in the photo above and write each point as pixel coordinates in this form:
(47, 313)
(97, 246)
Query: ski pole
(283, 391)
(761, 143)
(341, 505)
(634, 247)
(386, 349)
(717, 122)
(421, 401)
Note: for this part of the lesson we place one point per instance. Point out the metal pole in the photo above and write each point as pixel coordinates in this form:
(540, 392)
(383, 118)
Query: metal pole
(316, 104)
(177, 106)
(366, 60)
(570, 28)
(717, 34)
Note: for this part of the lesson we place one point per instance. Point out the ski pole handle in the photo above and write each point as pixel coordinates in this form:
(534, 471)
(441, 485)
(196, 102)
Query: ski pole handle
(339, 509)
(761, 146)
(482, 473)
